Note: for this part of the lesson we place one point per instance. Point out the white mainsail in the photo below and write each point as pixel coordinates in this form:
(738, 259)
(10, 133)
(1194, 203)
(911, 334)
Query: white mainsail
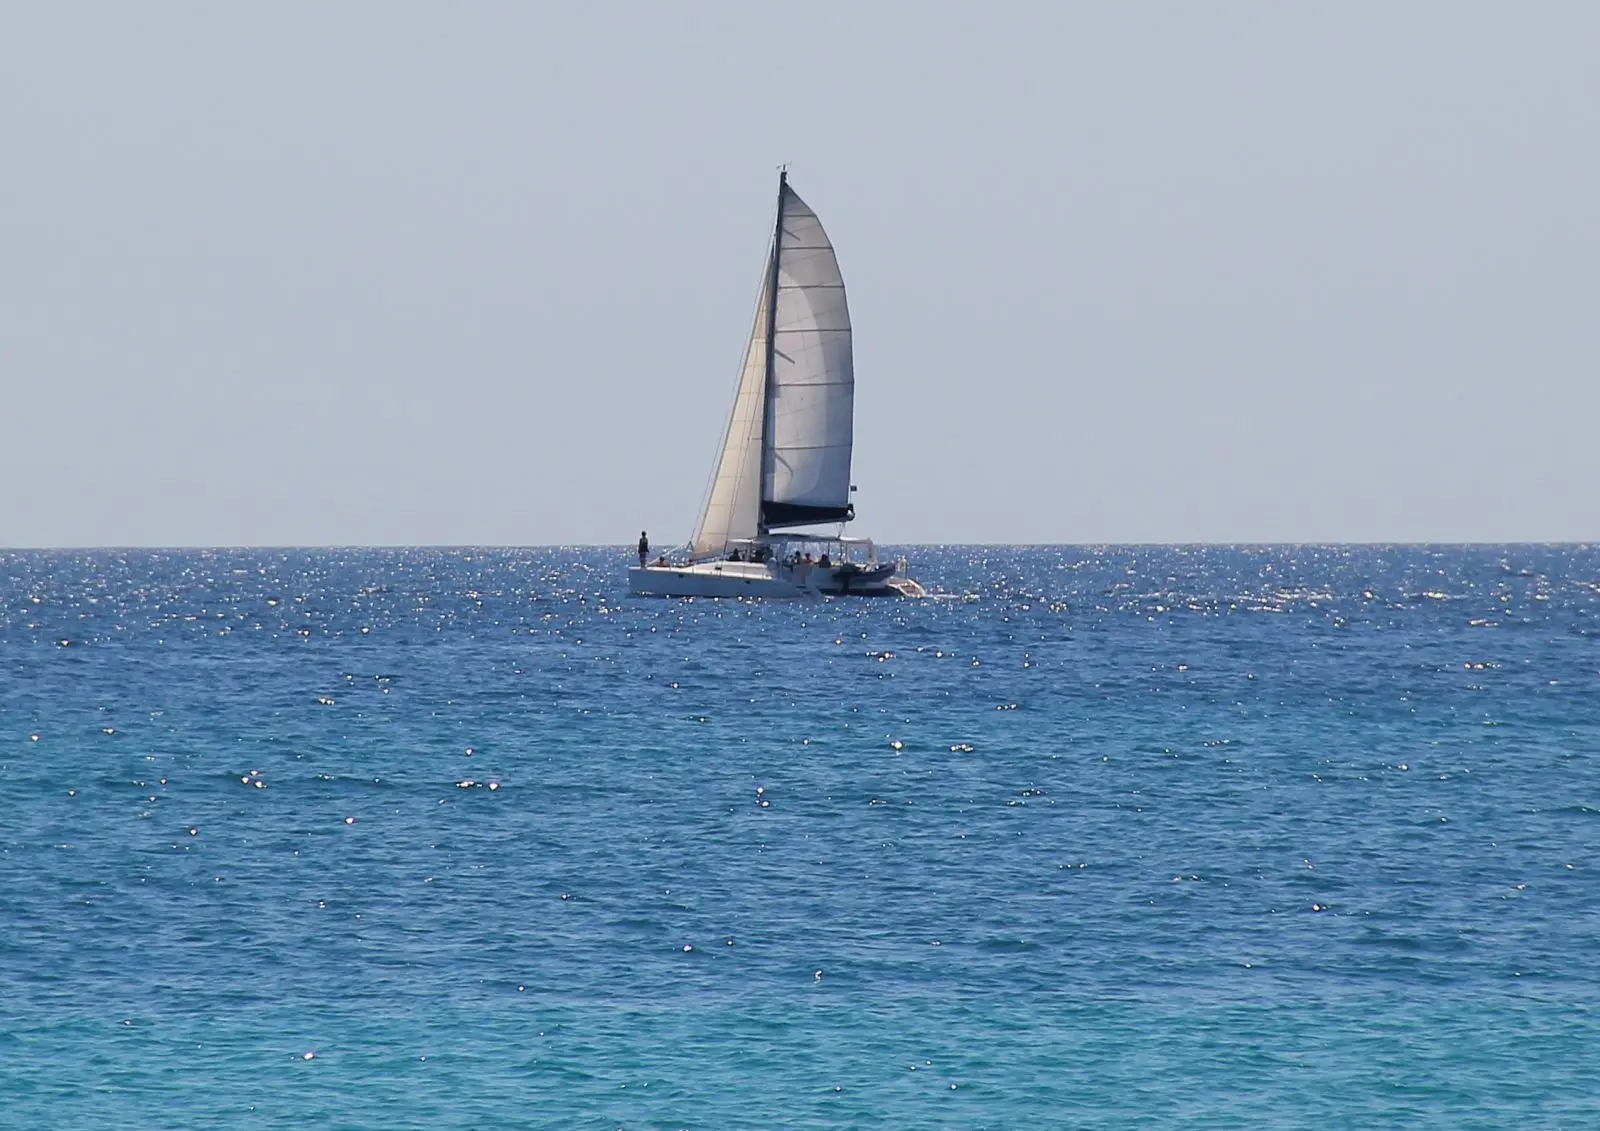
(786, 455)
(806, 457)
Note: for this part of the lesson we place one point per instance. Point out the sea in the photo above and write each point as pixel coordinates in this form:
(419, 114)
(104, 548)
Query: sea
(1099, 837)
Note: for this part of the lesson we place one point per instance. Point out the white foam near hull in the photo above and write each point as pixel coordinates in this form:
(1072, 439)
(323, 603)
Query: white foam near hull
(762, 579)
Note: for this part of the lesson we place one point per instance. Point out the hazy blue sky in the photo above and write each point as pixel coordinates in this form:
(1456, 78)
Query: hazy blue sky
(482, 273)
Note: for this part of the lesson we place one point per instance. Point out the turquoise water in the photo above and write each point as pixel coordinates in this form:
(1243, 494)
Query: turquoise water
(1104, 837)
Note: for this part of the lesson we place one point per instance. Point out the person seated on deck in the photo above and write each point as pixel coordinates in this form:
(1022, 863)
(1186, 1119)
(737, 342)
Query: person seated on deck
(734, 557)
(662, 561)
(823, 561)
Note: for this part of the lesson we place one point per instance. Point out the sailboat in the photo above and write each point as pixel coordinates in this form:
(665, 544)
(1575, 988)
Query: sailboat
(784, 468)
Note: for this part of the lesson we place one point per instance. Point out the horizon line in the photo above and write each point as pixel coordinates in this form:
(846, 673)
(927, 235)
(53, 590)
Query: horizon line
(628, 547)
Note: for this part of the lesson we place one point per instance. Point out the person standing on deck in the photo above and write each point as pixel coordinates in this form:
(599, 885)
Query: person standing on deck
(644, 548)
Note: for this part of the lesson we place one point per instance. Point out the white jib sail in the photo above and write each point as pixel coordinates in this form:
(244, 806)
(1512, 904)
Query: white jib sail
(733, 509)
(806, 463)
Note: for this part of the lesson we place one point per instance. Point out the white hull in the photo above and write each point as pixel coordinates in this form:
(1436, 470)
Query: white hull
(771, 581)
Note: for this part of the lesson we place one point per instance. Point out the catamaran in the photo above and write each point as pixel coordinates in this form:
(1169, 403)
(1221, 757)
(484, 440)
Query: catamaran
(785, 462)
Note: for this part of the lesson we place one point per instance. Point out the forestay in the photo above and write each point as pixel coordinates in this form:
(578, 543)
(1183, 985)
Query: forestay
(733, 509)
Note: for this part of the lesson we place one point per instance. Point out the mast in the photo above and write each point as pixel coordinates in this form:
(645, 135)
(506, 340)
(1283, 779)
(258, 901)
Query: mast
(772, 336)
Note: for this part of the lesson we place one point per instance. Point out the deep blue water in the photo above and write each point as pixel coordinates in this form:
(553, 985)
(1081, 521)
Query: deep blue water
(1105, 837)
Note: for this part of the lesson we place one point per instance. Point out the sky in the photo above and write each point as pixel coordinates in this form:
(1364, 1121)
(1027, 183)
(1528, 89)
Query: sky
(398, 273)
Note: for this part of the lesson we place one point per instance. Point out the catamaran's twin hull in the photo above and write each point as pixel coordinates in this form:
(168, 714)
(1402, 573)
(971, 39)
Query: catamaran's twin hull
(756, 579)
